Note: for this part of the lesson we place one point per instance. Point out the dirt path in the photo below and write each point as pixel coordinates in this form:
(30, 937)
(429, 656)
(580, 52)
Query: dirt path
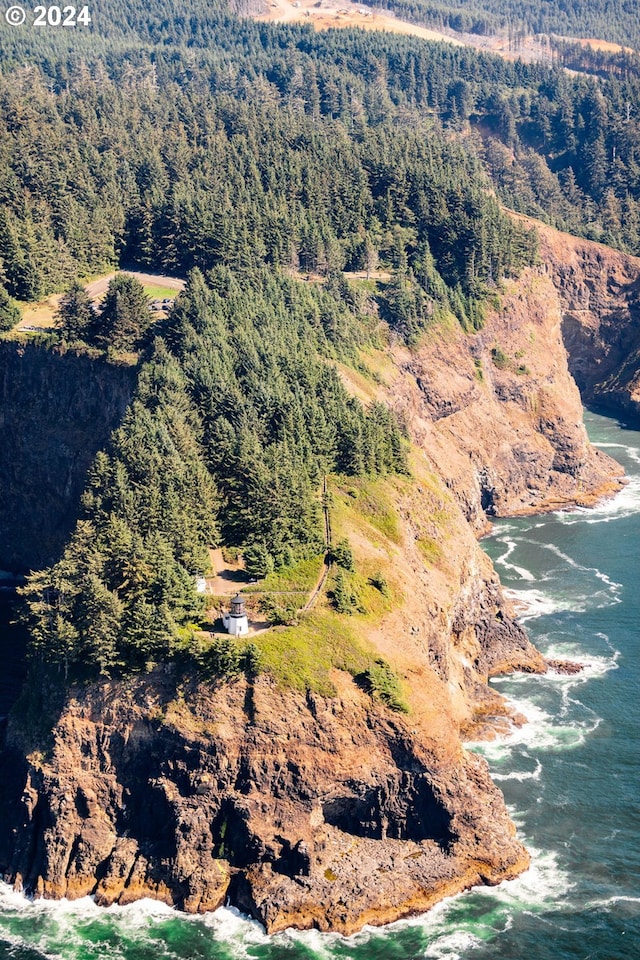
(98, 287)
(327, 564)
(227, 578)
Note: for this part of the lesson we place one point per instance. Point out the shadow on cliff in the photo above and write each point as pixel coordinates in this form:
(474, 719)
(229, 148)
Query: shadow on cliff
(58, 410)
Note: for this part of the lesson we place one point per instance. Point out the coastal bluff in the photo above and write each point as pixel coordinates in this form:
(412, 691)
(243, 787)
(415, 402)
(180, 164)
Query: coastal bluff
(332, 811)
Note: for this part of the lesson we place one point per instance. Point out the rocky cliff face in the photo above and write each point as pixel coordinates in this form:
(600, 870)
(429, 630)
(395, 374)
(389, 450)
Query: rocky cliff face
(56, 411)
(499, 413)
(304, 811)
(599, 298)
(332, 812)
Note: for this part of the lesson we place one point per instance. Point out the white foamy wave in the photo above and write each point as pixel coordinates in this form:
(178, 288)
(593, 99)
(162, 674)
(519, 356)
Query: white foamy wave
(592, 666)
(455, 927)
(84, 908)
(588, 587)
(325, 945)
(63, 928)
(13, 941)
(503, 559)
(451, 929)
(520, 775)
(611, 902)
(542, 731)
(235, 929)
(622, 504)
(453, 946)
(531, 604)
(603, 577)
(57, 928)
(10, 900)
(632, 452)
(543, 887)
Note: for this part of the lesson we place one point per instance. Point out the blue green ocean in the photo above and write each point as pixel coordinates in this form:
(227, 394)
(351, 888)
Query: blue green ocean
(571, 778)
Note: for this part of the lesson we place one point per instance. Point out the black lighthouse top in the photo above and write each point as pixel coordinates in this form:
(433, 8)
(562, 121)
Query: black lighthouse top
(237, 606)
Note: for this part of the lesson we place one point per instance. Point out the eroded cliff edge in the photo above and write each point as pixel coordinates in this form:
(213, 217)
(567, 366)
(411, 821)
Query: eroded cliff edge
(327, 811)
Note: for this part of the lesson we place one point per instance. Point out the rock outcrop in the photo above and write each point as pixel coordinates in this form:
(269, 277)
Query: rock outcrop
(303, 811)
(599, 295)
(500, 414)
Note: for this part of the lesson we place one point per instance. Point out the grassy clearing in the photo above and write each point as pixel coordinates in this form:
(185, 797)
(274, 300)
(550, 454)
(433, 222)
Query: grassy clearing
(299, 578)
(160, 293)
(303, 656)
(357, 383)
(380, 364)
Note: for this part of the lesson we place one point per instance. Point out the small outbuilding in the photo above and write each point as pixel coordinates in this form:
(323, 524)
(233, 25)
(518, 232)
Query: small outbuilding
(236, 621)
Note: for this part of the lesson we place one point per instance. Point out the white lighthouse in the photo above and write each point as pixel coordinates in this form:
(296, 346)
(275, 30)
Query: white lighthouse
(236, 622)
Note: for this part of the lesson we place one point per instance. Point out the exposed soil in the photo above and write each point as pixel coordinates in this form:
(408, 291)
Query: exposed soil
(227, 578)
(327, 14)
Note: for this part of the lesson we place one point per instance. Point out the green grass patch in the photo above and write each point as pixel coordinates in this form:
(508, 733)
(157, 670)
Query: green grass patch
(380, 681)
(369, 602)
(299, 578)
(371, 500)
(160, 293)
(430, 550)
(499, 358)
(302, 657)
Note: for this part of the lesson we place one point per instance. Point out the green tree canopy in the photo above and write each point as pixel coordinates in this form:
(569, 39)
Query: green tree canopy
(9, 311)
(125, 315)
(75, 314)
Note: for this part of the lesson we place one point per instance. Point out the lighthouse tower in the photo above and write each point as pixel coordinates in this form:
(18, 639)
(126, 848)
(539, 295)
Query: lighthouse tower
(236, 622)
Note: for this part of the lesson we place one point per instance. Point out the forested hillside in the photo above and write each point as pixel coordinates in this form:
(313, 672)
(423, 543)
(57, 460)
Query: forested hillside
(252, 155)
(174, 175)
(236, 419)
(205, 140)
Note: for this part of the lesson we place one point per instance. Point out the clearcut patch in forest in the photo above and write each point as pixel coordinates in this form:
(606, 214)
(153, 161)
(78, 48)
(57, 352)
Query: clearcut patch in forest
(331, 14)
(324, 14)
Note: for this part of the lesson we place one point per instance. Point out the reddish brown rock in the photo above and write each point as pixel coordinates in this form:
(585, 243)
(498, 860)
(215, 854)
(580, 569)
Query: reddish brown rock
(313, 812)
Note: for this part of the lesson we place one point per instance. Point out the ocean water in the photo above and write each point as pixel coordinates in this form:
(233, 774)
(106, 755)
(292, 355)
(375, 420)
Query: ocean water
(571, 777)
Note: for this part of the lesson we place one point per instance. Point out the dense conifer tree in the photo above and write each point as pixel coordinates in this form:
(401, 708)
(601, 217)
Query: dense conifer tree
(75, 315)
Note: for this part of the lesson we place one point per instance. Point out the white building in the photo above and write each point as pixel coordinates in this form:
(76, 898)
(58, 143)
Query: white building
(236, 622)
